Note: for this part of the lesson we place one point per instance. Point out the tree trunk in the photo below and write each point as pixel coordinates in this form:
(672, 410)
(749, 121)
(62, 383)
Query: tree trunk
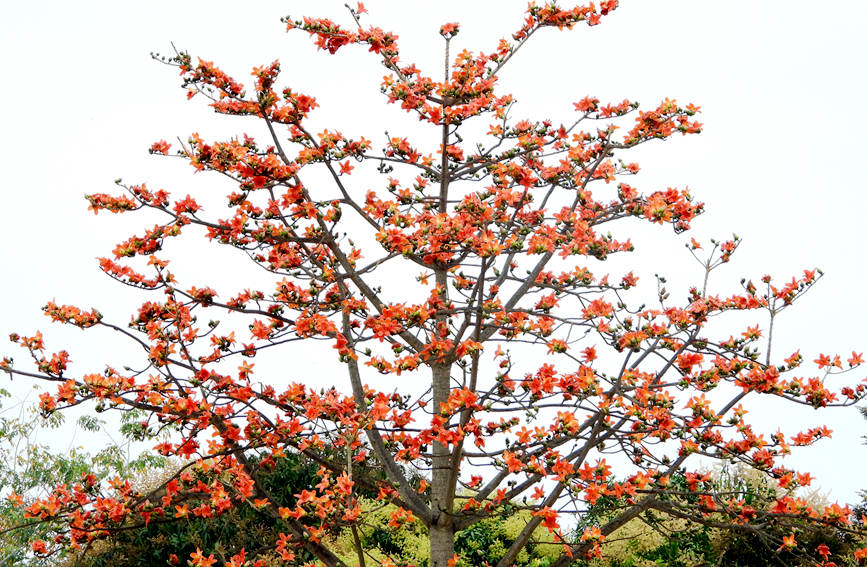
(442, 545)
(442, 535)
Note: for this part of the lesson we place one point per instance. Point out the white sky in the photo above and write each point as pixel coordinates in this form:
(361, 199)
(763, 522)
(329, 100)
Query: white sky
(780, 83)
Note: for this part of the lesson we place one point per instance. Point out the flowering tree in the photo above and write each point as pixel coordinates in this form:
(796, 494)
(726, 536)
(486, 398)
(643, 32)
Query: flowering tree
(468, 271)
(30, 468)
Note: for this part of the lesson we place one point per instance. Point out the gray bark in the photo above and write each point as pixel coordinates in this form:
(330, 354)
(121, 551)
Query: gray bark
(442, 535)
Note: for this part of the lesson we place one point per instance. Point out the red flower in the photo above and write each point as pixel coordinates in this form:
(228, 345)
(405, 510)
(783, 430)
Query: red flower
(161, 147)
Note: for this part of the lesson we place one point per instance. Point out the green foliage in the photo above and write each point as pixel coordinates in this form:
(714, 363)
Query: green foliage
(30, 468)
(406, 544)
(383, 540)
(488, 541)
(485, 542)
(750, 547)
(654, 539)
(692, 546)
(242, 526)
(222, 536)
(657, 539)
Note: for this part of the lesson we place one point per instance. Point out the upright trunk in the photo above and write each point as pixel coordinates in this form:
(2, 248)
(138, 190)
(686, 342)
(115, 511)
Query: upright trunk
(442, 535)
(442, 545)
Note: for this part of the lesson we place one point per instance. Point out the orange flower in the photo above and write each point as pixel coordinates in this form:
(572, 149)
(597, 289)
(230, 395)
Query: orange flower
(549, 518)
(449, 30)
(197, 559)
(39, 547)
(161, 147)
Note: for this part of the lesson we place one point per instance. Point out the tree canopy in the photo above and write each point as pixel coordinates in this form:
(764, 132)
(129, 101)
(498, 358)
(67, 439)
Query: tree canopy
(483, 367)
